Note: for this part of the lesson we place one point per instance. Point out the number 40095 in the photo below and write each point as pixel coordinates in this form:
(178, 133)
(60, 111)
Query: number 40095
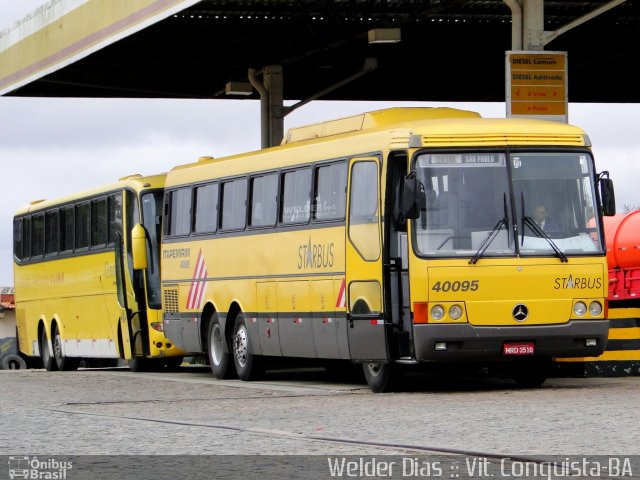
(456, 286)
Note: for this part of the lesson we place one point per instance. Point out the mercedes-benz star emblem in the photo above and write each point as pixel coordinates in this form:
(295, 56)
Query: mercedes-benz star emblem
(520, 312)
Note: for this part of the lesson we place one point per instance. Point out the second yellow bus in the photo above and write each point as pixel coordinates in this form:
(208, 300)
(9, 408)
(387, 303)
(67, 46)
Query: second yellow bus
(78, 296)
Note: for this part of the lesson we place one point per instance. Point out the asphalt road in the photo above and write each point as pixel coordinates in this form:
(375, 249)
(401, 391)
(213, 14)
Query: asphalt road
(118, 412)
(108, 411)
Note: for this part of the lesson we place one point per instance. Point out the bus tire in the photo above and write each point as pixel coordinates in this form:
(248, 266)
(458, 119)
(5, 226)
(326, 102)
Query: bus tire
(48, 361)
(248, 365)
(63, 363)
(382, 377)
(11, 361)
(219, 360)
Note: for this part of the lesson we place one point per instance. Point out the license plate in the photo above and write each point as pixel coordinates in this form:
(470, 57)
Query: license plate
(527, 348)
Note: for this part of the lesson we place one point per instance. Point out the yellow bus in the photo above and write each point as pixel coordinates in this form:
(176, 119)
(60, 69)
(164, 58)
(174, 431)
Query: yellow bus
(77, 294)
(393, 238)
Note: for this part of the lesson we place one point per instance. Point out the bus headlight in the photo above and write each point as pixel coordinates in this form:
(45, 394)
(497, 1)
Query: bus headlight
(579, 308)
(595, 308)
(437, 312)
(455, 312)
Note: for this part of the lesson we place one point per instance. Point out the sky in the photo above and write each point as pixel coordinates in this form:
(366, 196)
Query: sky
(53, 147)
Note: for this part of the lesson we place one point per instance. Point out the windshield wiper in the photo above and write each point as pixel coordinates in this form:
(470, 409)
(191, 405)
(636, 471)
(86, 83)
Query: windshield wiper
(503, 222)
(542, 234)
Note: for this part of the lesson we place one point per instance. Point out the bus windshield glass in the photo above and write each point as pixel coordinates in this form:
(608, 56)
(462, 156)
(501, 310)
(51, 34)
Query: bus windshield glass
(505, 204)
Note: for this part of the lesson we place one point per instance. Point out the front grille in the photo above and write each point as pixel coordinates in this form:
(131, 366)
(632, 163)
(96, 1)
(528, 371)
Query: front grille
(170, 300)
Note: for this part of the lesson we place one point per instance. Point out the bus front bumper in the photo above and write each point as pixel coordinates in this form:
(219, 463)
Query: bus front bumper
(469, 342)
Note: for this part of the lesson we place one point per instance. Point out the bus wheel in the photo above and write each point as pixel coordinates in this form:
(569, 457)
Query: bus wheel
(11, 361)
(219, 360)
(48, 361)
(382, 377)
(63, 363)
(531, 374)
(248, 365)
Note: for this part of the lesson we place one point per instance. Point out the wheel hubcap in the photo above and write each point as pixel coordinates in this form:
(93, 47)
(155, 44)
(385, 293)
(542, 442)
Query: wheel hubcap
(57, 347)
(240, 346)
(45, 350)
(374, 368)
(216, 345)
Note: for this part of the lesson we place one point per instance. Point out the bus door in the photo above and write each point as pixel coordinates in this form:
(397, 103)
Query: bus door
(124, 298)
(363, 252)
(133, 322)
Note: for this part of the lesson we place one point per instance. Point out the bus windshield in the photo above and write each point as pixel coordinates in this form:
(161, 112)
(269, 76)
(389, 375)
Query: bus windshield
(504, 203)
(152, 222)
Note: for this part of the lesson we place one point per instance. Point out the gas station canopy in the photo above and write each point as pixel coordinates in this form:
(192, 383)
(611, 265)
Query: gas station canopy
(422, 50)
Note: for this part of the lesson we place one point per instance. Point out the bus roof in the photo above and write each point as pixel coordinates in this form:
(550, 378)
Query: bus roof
(386, 118)
(392, 128)
(135, 182)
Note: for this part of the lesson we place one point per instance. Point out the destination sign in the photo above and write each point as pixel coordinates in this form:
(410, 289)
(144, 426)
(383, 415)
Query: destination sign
(461, 159)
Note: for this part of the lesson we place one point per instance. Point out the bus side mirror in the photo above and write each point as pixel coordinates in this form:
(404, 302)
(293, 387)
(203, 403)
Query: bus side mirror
(139, 247)
(607, 195)
(410, 196)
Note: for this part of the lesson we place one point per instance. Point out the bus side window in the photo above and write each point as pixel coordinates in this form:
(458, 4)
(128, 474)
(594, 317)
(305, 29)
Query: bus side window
(330, 191)
(114, 215)
(233, 204)
(179, 220)
(363, 210)
(99, 222)
(296, 196)
(364, 195)
(26, 245)
(263, 201)
(37, 235)
(83, 226)
(52, 237)
(67, 229)
(206, 208)
(17, 238)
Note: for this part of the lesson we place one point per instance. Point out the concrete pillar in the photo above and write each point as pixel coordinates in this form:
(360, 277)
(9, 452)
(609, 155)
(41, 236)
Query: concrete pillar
(274, 84)
(533, 25)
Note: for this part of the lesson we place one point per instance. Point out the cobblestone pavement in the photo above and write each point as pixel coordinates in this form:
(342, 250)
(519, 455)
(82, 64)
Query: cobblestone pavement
(116, 412)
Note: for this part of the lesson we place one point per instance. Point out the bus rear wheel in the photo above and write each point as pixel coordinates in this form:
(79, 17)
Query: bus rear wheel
(48, 361)
(63, 363)
(382, 377)
(219, 358)
(248, 365)
(11, 361)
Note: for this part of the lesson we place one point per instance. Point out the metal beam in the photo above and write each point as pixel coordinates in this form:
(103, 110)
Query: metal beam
(549, 36)
(370, 64)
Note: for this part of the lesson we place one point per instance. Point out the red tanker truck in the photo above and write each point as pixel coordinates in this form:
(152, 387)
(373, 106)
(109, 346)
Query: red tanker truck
(622, 357)
(622, 234)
